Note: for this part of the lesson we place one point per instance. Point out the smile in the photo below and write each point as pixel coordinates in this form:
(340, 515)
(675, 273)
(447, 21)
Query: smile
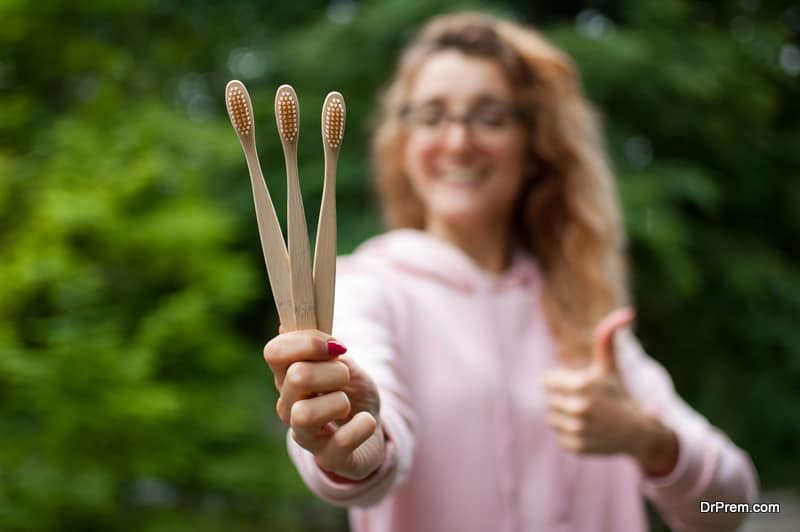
(461, 176)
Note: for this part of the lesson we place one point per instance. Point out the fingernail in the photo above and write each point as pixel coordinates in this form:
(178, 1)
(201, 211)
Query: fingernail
(335, 348)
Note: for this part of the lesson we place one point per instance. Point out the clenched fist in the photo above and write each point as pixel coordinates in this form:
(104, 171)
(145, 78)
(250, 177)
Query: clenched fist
(331, 405)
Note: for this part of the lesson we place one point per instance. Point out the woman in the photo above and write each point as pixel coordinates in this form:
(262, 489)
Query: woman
(489, 384)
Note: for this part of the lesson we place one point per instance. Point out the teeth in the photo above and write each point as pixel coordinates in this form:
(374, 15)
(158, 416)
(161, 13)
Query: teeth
(461, 176)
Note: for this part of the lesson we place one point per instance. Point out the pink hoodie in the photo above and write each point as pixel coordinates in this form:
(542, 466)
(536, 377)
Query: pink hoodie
(458, 355)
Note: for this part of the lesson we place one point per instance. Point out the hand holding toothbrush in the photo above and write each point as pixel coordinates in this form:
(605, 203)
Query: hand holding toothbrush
(330, 403)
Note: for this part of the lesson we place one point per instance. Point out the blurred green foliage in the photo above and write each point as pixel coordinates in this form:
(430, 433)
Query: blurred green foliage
(133, 297)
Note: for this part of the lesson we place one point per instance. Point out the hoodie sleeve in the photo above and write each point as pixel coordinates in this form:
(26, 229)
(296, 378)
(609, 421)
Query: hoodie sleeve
(709, 468)
(364, 321)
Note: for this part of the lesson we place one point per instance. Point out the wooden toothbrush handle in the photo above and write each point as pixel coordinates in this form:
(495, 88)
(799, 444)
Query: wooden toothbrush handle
(299, 249)
(325, 251)
(272, 244)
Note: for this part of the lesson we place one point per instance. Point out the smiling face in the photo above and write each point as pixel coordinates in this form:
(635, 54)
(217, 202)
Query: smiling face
(464, 154)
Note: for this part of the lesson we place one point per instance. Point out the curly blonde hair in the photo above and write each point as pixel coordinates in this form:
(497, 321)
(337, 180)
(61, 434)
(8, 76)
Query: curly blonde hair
(568, 215)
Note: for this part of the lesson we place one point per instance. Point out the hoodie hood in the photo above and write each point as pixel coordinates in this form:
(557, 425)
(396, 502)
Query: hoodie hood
(420, 254)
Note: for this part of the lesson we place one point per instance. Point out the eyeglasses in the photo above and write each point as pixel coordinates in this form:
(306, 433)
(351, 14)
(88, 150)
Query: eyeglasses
(488, 121)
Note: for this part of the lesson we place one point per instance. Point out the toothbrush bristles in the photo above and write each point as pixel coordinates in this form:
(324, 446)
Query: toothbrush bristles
(334, 121)
(239, 110)
(287, 119)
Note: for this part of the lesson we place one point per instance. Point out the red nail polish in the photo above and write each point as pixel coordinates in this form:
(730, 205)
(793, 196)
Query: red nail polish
(335, 348)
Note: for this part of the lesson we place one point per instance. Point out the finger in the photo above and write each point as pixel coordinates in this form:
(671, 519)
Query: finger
(568, 404)
(566, 424)
(572, 443)
(313, 443)
(337, 454)
(308, 379)
(309, 416)
(566, 381)
(603, 354)
(284, 349)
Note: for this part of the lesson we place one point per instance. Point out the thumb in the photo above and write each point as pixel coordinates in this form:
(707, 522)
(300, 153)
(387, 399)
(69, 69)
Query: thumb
(603, 354)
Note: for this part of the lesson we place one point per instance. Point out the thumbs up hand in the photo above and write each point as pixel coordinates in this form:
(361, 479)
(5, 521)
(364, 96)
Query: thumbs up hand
(592, 413)
(588, 407)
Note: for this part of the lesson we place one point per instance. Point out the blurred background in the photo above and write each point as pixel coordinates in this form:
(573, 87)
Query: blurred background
(134, 302)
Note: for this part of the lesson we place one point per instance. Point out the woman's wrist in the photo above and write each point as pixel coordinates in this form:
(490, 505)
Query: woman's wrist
(656, 447)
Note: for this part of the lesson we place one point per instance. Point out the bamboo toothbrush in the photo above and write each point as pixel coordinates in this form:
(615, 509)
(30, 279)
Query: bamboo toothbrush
(333, 117)
(287, 113)
(240, 110)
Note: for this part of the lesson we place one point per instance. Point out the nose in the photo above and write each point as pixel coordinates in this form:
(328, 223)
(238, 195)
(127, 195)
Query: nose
(457, 136)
